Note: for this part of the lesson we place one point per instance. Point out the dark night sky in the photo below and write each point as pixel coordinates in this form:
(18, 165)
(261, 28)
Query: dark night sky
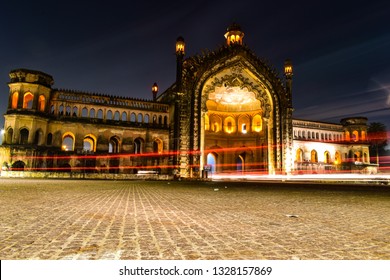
(340, 49)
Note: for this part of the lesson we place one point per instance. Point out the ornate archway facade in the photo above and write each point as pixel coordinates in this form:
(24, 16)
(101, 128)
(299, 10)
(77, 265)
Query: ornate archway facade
(231, 99)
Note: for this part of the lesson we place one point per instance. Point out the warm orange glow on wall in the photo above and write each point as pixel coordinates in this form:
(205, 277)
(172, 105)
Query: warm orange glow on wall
(326, 157)
(229, 125)
(314, 157)
(41, 103)
(355, 136)
(298, 156)
(257, 123)
(158, 146)
(206, 122)
(337, 158)
(347, 136)
(15, 97)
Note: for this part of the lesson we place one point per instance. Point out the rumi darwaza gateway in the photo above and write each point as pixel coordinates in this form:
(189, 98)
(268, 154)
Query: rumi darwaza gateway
(228, 112)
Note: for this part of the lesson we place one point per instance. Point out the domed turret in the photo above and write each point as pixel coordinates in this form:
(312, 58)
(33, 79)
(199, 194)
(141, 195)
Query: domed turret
(234, 35)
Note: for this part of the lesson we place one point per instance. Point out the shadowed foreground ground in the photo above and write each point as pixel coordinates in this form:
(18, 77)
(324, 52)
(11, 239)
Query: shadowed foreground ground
(76, 219)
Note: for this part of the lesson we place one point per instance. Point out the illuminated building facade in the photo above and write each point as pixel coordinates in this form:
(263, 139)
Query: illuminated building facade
(228, 111)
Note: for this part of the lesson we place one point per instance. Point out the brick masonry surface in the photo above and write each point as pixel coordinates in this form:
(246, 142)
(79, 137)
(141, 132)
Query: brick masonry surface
(97, 219)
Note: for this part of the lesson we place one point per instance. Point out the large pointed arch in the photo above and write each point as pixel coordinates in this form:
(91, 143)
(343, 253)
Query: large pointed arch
(263, 98)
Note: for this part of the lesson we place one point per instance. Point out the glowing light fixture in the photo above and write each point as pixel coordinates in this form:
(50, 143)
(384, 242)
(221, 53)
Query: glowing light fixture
(288, 68)
(154, 90)
(180, 46)
(234, 35)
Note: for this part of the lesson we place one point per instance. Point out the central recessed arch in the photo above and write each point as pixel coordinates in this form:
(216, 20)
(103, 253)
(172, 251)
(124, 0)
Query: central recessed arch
(237, 110)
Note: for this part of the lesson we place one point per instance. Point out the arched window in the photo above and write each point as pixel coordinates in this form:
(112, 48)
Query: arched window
(140, 118)
(243, 124)
(75, 111)
(160, 120)
(337, 157)
(41, 103)
(23, 136)
(347, 136)
(109, 115)
(116, 116)
(138, 146)
(124, 117)
(229, 125)
(100, 114)
(299, 155)
(132, 117)
(326, 157)
(68, 110)
(92, 113)
(10, 133)
(52, 109)
(158, 146)
(28, 100)
(89, 143)
(146, 118)
(84, 112)
(61, 110)
(165, 120)
(355, 136)
(68, 142)
(314, 157)
(38, 137)
(49, 140)
(15, 99)
(243, 128)
(113, 145)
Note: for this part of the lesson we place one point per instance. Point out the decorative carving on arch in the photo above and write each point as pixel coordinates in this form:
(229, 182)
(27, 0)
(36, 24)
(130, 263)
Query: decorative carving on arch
(242, 82)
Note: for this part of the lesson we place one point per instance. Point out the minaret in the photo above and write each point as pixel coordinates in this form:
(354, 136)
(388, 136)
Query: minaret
(180, 51)
(234, 35)
(288, 73)
(288, 128)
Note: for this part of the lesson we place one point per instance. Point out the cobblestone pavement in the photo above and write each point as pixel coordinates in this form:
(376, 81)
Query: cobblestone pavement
(83, 219)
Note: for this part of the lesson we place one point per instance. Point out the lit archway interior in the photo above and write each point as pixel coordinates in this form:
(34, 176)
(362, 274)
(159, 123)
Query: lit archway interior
(233, 120)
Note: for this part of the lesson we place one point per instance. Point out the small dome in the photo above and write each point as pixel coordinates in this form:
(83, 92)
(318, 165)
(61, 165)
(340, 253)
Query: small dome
(234, 27)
